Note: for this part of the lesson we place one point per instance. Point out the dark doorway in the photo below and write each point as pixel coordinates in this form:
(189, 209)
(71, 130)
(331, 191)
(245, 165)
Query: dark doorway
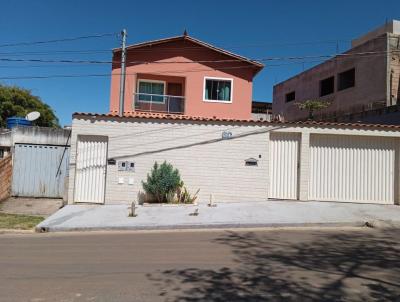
(174, 89)
(175, 98)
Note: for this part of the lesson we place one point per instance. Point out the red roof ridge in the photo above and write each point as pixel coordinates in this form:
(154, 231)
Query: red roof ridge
(164, 116)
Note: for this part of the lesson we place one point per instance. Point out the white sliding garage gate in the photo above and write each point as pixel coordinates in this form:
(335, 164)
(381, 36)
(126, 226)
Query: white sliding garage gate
(39, 170)
(284, 164)
(352, 168)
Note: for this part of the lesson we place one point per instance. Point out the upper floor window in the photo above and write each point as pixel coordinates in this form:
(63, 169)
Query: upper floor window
(218, 90)
(151, 91)
(291, 96)
(346, 79)
(327, 86)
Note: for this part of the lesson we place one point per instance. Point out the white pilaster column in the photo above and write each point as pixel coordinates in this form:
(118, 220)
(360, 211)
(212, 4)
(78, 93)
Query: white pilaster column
(304, 162)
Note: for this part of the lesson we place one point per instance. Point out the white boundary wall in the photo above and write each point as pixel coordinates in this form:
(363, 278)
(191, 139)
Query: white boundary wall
(205, 161)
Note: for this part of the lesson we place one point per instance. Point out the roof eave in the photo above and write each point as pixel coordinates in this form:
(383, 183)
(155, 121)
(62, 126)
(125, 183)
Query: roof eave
(259, 65)
(161, 116)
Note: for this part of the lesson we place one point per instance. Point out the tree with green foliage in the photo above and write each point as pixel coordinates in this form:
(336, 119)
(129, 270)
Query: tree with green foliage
(313, 105)
(162, 181)
(16, 101)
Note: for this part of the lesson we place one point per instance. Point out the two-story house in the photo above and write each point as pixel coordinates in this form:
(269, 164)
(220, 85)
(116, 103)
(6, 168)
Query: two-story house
(209, 136)
(182, 75)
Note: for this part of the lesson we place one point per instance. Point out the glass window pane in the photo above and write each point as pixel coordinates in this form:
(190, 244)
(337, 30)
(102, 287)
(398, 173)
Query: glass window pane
(157, 88)
(208, 90)
(158, 98)
(218, 90)
(151, 91)
(144, 97)
(214, 90)
(144, 87)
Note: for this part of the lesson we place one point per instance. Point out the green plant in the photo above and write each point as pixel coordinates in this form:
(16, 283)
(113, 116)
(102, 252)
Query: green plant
(162, 182)
(184, 195)
(312, 106)
(20, 222)
(170, 197)
(16, 101)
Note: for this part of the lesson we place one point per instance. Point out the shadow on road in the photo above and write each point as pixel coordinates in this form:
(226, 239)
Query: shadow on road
(355, 266)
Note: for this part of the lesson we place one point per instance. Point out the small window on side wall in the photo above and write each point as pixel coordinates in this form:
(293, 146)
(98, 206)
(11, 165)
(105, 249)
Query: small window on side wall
(218, 90)
(327, 86)
(291, 96)
(346, 79)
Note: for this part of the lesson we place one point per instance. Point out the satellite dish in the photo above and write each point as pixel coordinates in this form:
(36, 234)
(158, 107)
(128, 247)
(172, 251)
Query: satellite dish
(32, 116)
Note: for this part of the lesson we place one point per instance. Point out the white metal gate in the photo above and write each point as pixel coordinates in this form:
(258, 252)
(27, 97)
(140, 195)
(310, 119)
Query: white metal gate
(91, 158)
(352, 168)
(39, 170)
(284, 153)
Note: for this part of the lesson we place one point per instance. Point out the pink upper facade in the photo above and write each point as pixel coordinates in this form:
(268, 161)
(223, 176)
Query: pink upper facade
(182, 75)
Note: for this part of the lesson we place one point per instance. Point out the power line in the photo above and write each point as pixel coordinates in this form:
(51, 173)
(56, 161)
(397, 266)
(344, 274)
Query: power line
(63, 66)
(174, 71)
(45, 66)
(56, 61)
(182, 71)
(54, 76)
(147, 48)
(92, 51)
(56, 52)
(115, 74)
(333, 41)
(58, 40)
(106, 74)
(266, 59)
(175, 48)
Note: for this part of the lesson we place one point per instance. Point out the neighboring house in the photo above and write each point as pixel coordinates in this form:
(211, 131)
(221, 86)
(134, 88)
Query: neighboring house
(360, 83)
(261, 111)
(234, 160)
(40, 159)
(183, 75)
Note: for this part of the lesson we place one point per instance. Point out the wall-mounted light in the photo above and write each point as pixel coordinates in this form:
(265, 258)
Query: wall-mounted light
(251, 162)
(111, 162)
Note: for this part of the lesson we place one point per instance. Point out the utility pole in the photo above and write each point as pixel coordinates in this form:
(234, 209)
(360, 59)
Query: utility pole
(123, 71)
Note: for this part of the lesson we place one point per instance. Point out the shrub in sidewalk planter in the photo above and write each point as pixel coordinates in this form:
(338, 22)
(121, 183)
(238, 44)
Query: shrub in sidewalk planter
(162, 182)
(184, 196)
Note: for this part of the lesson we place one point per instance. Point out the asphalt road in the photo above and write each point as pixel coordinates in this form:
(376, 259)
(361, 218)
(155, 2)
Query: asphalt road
(249, 265)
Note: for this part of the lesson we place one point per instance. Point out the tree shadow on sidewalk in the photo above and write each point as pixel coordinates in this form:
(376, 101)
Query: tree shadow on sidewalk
(340, 266)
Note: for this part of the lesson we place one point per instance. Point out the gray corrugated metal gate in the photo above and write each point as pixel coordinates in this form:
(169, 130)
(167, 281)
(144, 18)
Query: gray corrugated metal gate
(35, 168)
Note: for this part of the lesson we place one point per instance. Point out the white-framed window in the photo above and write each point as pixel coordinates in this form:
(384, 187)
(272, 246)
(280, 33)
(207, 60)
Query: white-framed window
(151, 91)
(217, 90)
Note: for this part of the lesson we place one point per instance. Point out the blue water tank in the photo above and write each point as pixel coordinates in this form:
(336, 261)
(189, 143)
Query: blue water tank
(17, 121)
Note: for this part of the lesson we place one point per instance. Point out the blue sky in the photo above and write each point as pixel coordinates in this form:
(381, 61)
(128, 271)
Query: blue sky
(256, 29)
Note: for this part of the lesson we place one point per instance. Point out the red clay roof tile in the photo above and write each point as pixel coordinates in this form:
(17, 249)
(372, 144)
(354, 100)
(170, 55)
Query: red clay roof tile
(162, 116)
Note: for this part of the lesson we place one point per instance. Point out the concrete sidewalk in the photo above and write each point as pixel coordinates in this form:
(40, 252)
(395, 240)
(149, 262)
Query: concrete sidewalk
(224, 215)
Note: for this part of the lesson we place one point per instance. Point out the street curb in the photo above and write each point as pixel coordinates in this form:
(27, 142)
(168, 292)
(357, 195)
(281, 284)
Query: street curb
(16, 231)
(45, 229)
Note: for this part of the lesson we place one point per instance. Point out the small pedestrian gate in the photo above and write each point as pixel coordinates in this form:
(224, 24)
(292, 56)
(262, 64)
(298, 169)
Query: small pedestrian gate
(284, 162)
(91, 158)
(39, 170)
